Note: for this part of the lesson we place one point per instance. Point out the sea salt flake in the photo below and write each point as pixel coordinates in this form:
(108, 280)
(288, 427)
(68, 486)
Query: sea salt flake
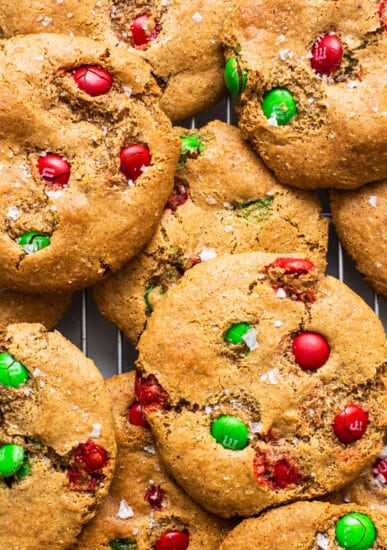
(27, 391)
(208, 410)
(207, 254)
(210, 200)
(128, 91)
(272, 121)
(228, 206)
(278, 324)
(46, 21)
(59, 1)
(322, 541)
(13, 213)
(228, 229)
(347, 498)
(378, 265)
(150, 449)
(372, 201)
(280, 293)
(97, 429)
(352, 85)
(197, 17)
(250, 339)
(383, 452)
(270, 376)
(256, 427)
(125, 511)
(40, 58)
(37, 372)
(69, 15)
(282, 38)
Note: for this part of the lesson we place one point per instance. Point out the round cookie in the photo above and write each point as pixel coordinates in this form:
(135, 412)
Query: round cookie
(263, 381)
(86, 169)
(181, 41)
(145, 508)
(312, 526)
(311, 86)
(225, 201)
(47, 309)
(360, 218)
(57, 446)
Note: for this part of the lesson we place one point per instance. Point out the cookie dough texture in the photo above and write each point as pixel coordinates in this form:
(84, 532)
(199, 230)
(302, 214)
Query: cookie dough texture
(338, 137)
(47, 309)
(300, 526)
(99, 220)
(62, 404)
(232, 204)
(360, 218)
(138, 472)
(186, 56)
(198, 376)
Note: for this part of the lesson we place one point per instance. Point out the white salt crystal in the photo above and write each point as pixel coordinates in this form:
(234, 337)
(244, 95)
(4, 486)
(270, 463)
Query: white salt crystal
(197, 17)
(322, 541)
(281, 293)
(372, 201)
(207, 254)
(125, 511)
(97, 428)
(250, 339)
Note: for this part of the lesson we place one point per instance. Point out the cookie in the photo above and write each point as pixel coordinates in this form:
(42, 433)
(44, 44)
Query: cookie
(225, 201)
(312, 526)
(181, 41)
(57, 447)
(47, 309)
(145, 508)
(370, 488)
(263, 381)
(360, 218)
(310, 81)
(87, 161)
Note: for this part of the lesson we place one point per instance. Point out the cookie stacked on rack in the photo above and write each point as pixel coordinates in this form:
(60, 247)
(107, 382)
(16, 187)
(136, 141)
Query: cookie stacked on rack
(260, 384)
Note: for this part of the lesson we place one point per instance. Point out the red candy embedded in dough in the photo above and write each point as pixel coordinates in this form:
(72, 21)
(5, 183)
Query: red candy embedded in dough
(92, 456)
(136, 417)
(310, 350)
(144, 29)
(179, 196)
(173, 540)
(133, 161)
(156, 497)
(150, 394)
(93, 80)
(54, 169)
(327, 54)
(292, 265)
(379, 469)
(350, 424)
(278, 474)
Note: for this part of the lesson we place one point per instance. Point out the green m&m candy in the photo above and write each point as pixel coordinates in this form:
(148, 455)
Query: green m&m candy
(122, 544)
(12, 459)
(279, 104)
(235, 77)
(191, 146)
(235, 333)
(12, 373)
(153, 295)
(355, 531)
(230, 432)
(33, 241)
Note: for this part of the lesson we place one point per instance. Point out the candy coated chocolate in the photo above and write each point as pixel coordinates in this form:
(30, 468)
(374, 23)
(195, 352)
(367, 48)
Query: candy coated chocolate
(136, 417)
(11, 459)
(144, 29)
(235, 77)
(133, 160)
(93, 80)
(12, 373)
(279, 104)
(33, 241)
(173, 540)
(230, 432)
(310, 350)
(327, 54)
(236, 332)
(355, 531)
(350, 424)
(54, 169)
(122, 544)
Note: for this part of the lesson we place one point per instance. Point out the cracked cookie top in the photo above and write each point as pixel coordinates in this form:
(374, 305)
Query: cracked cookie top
(263, 381)
(145, 508)
(180, 40)
(311, 84)
(87, 160)
(224, 201)
(312, 526)
(57, 447)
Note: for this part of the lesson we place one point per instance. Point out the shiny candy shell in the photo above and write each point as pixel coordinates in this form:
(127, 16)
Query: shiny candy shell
(235, 77)
(235, 333)
(91, 456)
(350, 424)
(12, 373)
(379, 469)
(93, 80)
(173, 540)
(33, 241)
(122, 544)
(279, 106)
(144, 29)
(54, 169)
(355, 531)
(310, 350)
(230, 432)
(11, 459)
(136, 417)
(133, 160)
(327, 54)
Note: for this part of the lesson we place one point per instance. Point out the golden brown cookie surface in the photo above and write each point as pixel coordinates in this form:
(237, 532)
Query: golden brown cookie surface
(145, 507)
(263, 382)
(225, 201)
(86, 154)
(314, 104)
(312, 526)
(57, 451)
(360, 217)
(180, 40)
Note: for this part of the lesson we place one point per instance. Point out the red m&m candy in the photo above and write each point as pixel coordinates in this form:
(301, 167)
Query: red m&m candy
(156, 497)
(93, 80)
(327, 53)
(173, 540)
(91, 456)
(54, 169)
(292, 265)
(285, 474)
(350, 424)
(144, 29)
(310, 350)
(379, 469)
(136, 417)
(133, 160)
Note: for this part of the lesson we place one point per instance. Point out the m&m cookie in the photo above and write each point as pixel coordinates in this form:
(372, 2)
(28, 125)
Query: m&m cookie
(312, 526)
(309, 81)
(87, 160)
(57, 446)
(224, 201)
(263, 382)
(145, 508)
(181, 41)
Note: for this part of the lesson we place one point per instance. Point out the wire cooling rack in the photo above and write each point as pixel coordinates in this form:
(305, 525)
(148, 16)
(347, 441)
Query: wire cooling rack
(110, 349)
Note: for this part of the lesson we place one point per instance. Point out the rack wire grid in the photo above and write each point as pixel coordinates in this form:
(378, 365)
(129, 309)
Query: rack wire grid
(109, 348)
